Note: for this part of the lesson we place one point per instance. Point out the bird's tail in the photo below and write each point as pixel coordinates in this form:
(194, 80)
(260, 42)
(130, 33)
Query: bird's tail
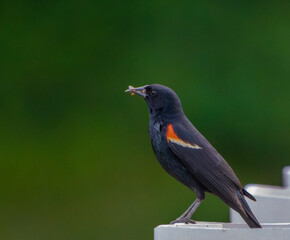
(249, 217)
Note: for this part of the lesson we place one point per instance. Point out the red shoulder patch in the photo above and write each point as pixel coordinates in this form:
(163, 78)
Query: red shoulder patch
(170, 134)
(172, 137)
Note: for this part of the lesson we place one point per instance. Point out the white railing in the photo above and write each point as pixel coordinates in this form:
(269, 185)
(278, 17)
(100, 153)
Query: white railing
(272, 209)
(273, 202)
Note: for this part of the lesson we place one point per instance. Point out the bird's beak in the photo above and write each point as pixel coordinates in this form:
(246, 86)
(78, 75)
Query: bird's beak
(140, 90)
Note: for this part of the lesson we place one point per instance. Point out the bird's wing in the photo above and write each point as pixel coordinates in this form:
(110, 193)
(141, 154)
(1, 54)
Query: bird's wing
(203, 161)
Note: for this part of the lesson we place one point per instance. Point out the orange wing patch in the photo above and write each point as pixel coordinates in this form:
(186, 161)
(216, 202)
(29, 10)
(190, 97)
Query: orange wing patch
(172, 137)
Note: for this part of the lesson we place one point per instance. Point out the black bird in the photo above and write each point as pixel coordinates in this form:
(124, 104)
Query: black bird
(187, 156)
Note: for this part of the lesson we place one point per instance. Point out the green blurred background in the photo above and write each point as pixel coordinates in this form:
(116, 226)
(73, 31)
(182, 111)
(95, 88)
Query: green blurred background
(76, 161)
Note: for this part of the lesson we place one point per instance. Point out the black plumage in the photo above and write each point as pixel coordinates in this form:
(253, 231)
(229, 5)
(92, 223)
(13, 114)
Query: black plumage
(187, 156)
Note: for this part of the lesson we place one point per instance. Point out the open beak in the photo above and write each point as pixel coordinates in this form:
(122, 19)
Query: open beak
(140, 90)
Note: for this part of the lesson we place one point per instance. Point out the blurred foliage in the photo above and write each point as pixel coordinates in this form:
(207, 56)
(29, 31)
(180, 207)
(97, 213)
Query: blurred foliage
(76, 161)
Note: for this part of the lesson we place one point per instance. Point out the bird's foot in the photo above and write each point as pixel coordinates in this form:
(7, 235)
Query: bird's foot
(183, 220)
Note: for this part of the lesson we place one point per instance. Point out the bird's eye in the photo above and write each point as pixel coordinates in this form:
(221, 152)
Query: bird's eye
(153, 93)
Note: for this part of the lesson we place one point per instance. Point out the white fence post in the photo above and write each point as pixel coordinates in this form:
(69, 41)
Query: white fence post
(272, 209)
(273, 202)
(286, 177)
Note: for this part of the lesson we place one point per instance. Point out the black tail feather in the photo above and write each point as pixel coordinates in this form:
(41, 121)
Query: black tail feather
(248, 195)
(249, 217)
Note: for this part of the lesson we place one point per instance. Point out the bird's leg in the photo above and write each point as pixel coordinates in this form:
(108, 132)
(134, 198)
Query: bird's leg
(185, 217)
(193, 209)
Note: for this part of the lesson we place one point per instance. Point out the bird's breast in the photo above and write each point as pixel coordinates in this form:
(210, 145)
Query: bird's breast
(156, 135)
(159, 143)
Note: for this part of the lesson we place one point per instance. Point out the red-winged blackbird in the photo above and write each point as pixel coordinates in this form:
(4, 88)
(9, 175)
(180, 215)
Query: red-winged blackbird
(187, 156)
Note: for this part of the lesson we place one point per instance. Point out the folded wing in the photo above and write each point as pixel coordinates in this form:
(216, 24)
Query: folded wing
(204, 162)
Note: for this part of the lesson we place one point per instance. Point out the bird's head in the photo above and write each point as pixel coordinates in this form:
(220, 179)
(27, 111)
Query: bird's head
(160, 99)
